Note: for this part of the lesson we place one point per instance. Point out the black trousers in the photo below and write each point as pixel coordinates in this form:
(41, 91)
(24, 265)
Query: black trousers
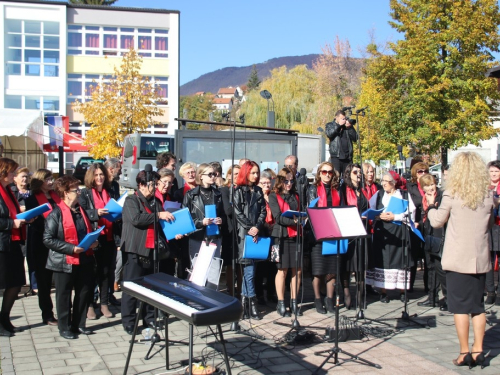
(490, 276)
(44, 280)
(266, 270)
(105, 257)
(435, 275)
(72, 315)
(340, 165)
(132, 269)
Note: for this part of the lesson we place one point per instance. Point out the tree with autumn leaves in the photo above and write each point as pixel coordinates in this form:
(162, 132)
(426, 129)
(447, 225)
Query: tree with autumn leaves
(123, 105)
(432, 91)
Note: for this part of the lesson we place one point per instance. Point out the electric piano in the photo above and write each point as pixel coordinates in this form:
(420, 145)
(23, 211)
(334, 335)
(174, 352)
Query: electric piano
(194, 304)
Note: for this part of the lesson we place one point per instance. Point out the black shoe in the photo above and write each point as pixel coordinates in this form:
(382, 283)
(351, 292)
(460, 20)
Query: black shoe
(294, 308)
(129, 329)
(384, 298)
(479, 360)
(84, 331)
(444, 306)
(113, 301)
(254, 311)
(371, 291)
(319, 306)
(281, 309)
(329, 305)
(68, 335)
(7, 325)
(4, 332)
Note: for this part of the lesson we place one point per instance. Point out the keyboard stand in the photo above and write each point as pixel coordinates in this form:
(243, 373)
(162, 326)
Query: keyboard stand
(167, 357)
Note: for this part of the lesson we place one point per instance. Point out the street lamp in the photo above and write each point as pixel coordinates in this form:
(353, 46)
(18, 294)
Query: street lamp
(270, 113)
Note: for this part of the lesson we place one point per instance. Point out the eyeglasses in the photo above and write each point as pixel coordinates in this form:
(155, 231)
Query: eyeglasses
(387, 181)
(355, 172)
(50, 179)
(77, 191)
(325, 172)
(420, 171)
(166, 182)
(286, 182)
(191, 172)
(209, 174)
(265, 183)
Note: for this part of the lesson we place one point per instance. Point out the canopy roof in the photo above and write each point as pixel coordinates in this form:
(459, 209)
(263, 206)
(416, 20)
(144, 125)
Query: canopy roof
(18, 122)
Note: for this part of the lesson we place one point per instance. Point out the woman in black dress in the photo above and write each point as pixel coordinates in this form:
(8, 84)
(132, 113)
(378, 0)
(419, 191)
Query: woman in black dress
(12, 235)
(352, 195)
(282, 199)
(324, 267)
(42, 185)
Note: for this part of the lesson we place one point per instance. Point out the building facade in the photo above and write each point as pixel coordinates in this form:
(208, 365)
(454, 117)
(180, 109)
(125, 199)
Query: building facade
(54, 51)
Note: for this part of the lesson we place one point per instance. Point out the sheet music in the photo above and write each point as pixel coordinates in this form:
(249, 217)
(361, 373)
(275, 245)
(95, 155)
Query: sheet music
(349, 222)
(202, 265)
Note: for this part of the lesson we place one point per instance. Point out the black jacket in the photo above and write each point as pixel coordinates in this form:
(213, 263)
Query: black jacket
(417, 200)
(86, 200)
(53, 239)
(334, 131)
(194, 202)
(136, 221)
(6, 225)
(281, 222)
(34, 241)
(250, 211)
(227, 202)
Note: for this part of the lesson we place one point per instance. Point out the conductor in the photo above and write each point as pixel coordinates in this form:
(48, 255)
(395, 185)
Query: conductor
(341, 134)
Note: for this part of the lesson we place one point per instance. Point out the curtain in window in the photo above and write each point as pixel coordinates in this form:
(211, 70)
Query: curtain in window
(110, 41)
(74, 40)
(161, 43)
(145, 42)
(162, 91)
(92, 40)
(126, 41)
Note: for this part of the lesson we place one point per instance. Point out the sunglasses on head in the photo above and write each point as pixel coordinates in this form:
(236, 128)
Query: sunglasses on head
(325, 172)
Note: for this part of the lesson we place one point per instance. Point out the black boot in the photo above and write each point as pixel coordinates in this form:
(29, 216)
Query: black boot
(319, 306)
(244, 303)
(281, 309)
(293, 307)
(429, 302)
(329, 305)
(254, 311)
(490, 299)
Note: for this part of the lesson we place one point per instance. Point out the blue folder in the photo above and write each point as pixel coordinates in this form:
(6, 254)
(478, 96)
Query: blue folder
(256, 250)
(183, 224)
(114, 211)
(211, 213)
(370, 214)
(330, 247)
(313, 202)
(291, 214)
(34, 212)
(90, 238)
(416, 231)
(397, 205)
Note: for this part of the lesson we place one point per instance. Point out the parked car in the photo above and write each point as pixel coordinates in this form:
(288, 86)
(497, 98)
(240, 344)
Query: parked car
(435, 170)
(82, 166)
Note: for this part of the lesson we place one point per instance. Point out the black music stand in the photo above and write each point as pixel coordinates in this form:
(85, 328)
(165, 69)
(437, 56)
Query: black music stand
(326, 226)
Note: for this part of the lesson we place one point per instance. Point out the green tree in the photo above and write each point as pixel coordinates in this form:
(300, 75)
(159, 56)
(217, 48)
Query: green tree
(431, 92)
(93, 2)
(197, 107)
(253, 80)
(123, 105)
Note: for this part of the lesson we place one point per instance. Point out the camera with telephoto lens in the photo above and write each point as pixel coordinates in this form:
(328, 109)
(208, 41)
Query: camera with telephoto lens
(351, 121)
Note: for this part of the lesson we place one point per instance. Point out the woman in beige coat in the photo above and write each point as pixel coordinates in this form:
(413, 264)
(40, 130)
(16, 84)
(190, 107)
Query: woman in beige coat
(467, 208)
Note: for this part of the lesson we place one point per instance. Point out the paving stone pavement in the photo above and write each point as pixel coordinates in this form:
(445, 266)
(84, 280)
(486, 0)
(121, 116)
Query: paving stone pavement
(401, 347)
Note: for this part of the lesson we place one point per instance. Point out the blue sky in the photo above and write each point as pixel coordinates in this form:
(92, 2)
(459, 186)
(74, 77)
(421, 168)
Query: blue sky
(219, 34)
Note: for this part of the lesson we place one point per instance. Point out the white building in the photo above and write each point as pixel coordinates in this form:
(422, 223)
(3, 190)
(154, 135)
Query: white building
(52, 51)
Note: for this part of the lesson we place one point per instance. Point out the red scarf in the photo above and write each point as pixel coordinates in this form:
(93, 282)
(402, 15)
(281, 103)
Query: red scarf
(284, 206)
(162, 197)
(323, 201)
(100, 201)
(369, 191)
(351, 197)
(269, 215)
(10, 201)
(425, 204)
(70, 233)
(186, 188)
(42, 199)
(150, 235)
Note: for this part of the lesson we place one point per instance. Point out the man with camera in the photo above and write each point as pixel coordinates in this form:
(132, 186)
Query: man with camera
(342, 135)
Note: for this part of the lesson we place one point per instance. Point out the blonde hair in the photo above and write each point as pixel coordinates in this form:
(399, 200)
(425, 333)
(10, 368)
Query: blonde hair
(202, 168)
(468, 179)
(427, 180)
(187, 165)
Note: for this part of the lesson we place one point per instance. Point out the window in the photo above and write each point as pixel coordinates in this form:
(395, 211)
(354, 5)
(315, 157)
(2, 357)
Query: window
(114, 41)
(32, 48)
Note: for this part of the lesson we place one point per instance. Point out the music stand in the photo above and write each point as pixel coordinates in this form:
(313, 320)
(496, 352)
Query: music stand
(338, 223)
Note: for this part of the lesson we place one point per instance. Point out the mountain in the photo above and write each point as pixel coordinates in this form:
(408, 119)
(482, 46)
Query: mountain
(234, 76)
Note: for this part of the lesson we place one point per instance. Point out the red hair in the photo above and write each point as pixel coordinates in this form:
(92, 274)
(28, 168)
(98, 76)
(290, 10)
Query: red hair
(245, 170)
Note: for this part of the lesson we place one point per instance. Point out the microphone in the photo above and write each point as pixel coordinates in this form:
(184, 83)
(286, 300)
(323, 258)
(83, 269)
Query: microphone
(148, 168)
(361, 110)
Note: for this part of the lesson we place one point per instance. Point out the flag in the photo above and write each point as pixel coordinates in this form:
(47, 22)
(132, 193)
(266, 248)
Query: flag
(57, 127)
